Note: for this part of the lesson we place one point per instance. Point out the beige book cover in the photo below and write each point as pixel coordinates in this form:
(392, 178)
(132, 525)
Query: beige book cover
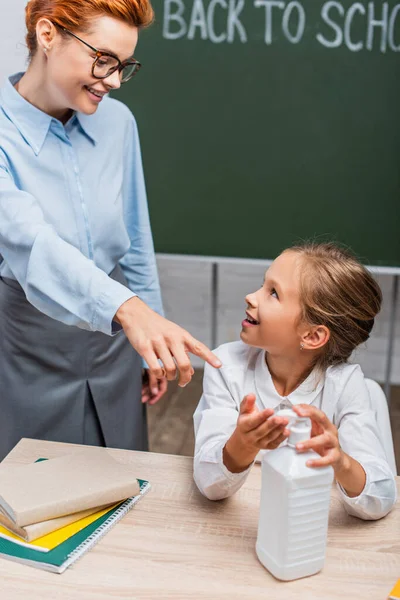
(65, 485)
(29, 533)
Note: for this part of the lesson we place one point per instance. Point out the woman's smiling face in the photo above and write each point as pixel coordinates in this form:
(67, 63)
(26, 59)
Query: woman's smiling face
(69, 61)
(274, 310)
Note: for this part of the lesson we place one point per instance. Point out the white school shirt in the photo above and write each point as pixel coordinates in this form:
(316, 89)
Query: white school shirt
(341, 394)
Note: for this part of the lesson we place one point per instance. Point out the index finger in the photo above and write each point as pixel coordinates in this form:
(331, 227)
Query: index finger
(201, 350)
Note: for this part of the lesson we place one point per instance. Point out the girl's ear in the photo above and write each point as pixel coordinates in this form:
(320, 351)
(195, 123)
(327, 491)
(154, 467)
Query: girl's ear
(315, 338)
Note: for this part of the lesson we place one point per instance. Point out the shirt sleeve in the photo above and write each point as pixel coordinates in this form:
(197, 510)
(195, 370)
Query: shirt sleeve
(139, 263)
(359, 438)
(214, 422)
(56, 277)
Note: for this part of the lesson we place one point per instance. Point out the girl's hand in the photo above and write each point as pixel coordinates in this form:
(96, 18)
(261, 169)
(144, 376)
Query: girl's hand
(255, 430)
(324, 438)
(153, 389)
(325, 441)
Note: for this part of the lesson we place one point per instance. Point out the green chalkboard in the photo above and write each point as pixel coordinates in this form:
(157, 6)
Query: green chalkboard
(263, 123)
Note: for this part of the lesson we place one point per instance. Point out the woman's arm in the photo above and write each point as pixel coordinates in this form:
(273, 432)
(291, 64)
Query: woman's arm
(55, 276)
(65, 285)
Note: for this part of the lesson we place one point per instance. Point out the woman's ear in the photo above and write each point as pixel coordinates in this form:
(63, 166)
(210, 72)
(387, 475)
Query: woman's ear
(46, 33)
(315, 338)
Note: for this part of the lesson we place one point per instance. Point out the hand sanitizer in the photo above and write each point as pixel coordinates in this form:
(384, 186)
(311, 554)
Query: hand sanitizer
(294, 508)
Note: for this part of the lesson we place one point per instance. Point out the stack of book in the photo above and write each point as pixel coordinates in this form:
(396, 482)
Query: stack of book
(53, 511)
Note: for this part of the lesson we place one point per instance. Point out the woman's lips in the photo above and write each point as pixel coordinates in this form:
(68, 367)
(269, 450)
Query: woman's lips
(94, 97)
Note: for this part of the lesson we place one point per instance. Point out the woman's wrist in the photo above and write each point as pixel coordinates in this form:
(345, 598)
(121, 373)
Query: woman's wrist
(236, 455)
(125, 311)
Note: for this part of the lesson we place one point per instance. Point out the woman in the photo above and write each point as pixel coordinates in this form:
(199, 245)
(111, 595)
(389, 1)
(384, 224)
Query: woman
(75, 241)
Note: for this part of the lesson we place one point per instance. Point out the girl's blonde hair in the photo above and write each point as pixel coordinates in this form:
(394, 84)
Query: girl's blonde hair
(337, 291)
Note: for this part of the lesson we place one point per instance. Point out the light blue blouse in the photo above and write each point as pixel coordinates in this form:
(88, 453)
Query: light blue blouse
(72, 206)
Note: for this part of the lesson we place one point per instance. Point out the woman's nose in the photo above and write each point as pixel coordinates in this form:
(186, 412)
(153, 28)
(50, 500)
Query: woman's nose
(113, 81)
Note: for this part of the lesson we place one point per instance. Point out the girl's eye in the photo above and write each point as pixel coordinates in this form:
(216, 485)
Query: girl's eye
(274, 293)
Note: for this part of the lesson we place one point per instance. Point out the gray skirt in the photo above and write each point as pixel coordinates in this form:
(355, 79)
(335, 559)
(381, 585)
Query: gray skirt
(63, 383)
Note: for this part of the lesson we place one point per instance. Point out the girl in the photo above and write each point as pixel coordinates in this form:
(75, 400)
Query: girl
(316, 305)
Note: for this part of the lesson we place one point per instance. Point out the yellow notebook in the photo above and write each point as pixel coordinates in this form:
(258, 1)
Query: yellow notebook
(395, 593)
(53, 539)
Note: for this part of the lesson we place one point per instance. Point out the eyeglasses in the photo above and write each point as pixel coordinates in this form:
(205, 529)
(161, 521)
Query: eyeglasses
(106, 64)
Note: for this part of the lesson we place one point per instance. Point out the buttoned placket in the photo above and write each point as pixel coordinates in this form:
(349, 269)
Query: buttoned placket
(76, 191)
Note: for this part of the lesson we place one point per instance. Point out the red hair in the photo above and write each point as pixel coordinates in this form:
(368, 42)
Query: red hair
(77, 14)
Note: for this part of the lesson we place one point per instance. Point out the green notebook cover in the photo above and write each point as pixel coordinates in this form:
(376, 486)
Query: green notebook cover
(64, 555)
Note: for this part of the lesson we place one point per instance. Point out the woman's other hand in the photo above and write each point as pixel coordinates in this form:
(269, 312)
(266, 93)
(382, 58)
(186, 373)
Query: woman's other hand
(153, 389)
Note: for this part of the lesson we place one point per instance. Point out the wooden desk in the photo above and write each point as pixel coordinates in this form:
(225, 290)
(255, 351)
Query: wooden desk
(176, 544)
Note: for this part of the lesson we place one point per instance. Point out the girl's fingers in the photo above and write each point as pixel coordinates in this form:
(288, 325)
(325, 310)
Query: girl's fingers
(278, 441)
(248, 404)
(272, 436)
(324, 461)
(253, 421)
(305, 410)
(271, 424)
(317, 443)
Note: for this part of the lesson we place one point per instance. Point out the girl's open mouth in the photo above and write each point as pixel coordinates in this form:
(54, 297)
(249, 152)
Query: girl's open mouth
(249, 321)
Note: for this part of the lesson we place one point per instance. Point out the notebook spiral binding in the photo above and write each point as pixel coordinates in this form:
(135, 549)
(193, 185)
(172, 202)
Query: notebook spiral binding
(103, 529)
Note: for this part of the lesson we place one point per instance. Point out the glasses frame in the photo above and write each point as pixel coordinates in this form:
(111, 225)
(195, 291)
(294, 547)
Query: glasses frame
(119, 67)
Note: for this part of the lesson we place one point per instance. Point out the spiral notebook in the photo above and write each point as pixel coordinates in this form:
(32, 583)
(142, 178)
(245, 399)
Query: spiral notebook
(66, 553)
(59, 534)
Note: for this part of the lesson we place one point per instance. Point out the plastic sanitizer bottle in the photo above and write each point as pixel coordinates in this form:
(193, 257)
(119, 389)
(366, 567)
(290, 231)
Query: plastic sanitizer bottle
(294, 507)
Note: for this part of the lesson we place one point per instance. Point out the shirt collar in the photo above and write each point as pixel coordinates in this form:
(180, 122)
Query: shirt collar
(306, 393)
(88, 125)
(32, 123)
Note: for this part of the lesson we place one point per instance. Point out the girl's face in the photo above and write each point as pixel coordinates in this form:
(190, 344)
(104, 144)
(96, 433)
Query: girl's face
(275, 308)
(69, 63)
